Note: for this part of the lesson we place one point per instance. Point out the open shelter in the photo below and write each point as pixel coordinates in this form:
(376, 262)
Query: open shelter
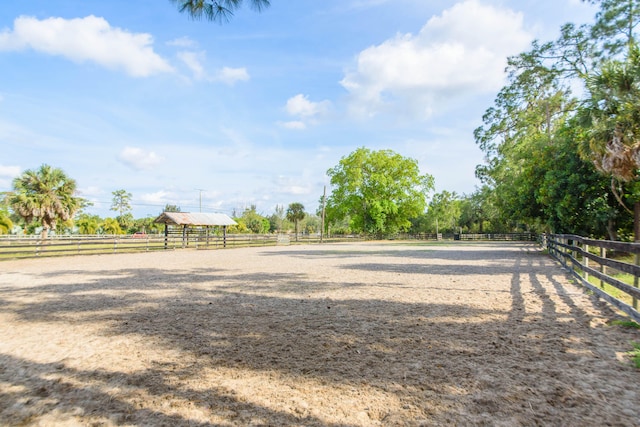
(187, 221)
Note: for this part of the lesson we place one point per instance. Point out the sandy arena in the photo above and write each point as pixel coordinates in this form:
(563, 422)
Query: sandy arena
(360, 334)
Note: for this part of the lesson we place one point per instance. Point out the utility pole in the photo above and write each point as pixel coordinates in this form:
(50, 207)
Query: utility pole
(324, 203)
(200, 190)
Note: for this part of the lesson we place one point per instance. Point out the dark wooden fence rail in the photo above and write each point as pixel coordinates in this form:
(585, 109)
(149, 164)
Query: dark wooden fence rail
(577, 254)
(32, 247)
(12, 247)
(522, 237)
(498, 236)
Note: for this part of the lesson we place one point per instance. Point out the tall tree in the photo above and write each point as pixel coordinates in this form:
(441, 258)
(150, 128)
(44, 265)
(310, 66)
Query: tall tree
(478, 213)
(529, 135)
(611, 119)
(253, 221)
(615, 26)
(5, 223)
(444, 210)
(295, 214)
(121, 202)
(146, 225)
(277, 218)
(88, 224)
(46, 195)
(216, 10)
(379, 191)
(111, 226)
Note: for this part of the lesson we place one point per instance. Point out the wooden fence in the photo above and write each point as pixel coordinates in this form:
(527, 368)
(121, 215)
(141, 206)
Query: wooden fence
(523, 237)
(12, 247)
(526, 237)
(610, 269)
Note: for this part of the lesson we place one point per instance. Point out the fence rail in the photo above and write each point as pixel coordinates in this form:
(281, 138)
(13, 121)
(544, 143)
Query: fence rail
(618, 277)
(12, 247)
(33, 247)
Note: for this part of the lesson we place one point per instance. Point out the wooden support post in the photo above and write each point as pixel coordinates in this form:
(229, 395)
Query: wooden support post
(603, 268)
(585, 261)
(636, 234)
(166, 235)
(224, 236)
(635, 281)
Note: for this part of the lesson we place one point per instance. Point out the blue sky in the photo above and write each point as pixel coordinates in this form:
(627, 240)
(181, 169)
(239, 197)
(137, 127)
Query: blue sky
(131, 94)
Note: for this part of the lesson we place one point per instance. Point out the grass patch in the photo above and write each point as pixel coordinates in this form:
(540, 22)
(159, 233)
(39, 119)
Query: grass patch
(635, 354)
(626, 324)
(612, 290)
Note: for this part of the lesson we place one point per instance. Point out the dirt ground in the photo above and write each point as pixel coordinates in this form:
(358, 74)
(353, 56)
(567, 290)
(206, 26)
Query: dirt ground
(359, 334)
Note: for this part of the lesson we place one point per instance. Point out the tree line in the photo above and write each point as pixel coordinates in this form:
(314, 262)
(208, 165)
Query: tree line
(45, 199)
(561, 138)
(374, 192)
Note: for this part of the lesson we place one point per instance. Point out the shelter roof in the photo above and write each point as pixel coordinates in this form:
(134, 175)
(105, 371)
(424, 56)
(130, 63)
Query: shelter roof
(187, 218)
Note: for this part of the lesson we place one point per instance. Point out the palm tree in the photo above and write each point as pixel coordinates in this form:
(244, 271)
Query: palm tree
(5, 223)
(216, 10)
(295, 213)
(612, 122)
(88, 224)
(45, 195)
(111, 226)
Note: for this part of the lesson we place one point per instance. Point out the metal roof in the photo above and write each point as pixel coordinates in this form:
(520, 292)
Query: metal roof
(186, 218)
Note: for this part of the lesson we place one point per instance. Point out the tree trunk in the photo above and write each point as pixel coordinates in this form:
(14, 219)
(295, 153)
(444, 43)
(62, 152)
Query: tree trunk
(636, 221)
(611, 230)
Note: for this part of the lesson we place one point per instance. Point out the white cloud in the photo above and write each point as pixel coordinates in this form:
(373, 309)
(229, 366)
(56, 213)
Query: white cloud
(305, 110)
(300, 106)
(300, 184)
(86, 39)
(226, 75)
(232, 75)
(181, 42)
(461, 52)
(294, 124)
(160, 197)
(7, 174)
(139, 159)
(193, 61)
(90, 191)
(9, 171)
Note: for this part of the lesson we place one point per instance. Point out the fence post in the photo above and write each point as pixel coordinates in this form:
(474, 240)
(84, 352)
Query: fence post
(603, 268)
(572, 252)
(635, 281)
(586, 261)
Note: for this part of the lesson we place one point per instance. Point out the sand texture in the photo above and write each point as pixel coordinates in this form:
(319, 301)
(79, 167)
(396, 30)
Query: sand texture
(354, 334)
